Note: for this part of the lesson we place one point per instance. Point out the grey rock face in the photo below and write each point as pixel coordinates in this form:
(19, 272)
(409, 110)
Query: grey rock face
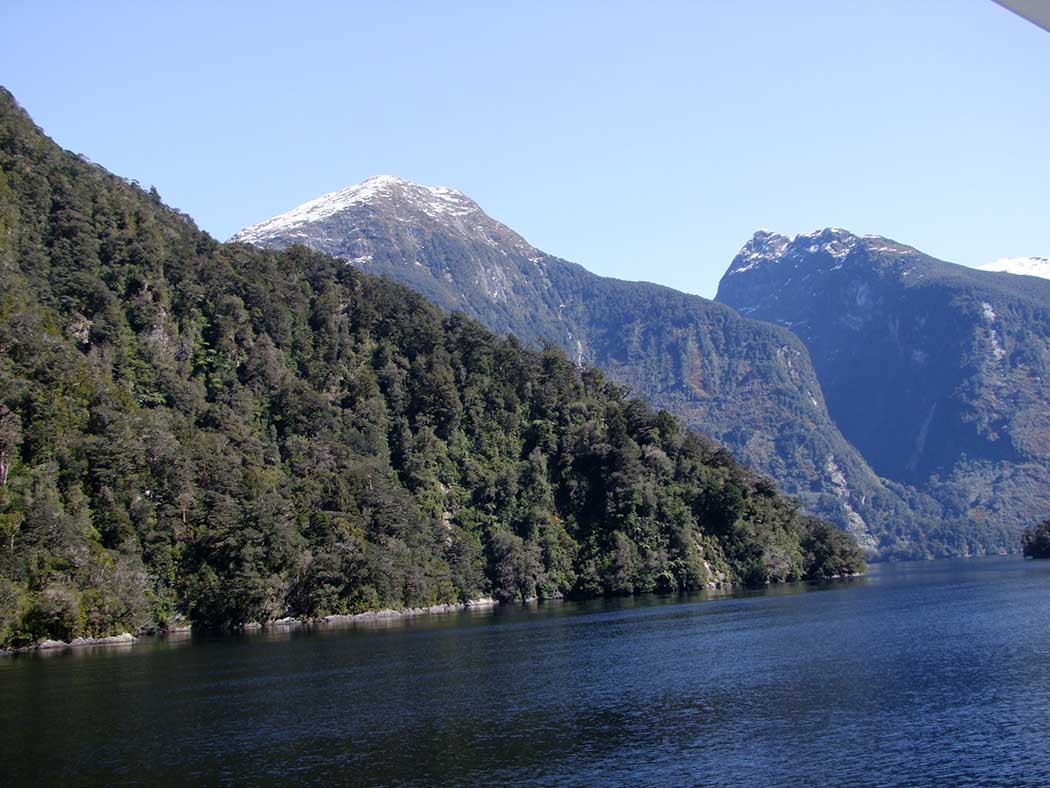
(934, 371)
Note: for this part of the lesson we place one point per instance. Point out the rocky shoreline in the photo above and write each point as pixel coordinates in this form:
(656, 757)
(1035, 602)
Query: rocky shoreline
(387, 614)
(289, 622)
(123, 639)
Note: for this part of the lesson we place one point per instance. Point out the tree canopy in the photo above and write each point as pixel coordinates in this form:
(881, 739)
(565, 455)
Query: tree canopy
(193, 431)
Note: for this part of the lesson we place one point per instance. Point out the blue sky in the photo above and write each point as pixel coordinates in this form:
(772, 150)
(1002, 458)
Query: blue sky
(643, 140)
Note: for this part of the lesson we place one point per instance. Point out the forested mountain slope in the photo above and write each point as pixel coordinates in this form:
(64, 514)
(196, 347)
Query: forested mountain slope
(746, 383)
(192, 430)
(936, 372)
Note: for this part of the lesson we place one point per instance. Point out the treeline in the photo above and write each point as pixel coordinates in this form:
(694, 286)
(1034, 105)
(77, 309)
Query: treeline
(213, 433)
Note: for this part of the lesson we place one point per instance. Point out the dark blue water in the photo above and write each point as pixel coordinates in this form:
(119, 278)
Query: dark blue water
(934, 674)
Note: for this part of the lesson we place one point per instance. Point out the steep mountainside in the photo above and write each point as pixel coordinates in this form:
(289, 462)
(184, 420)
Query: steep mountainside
(936, 372)
(746, 383)
(191, 430)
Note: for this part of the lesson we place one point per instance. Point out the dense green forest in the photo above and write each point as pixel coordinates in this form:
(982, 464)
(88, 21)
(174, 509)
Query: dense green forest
(192, 431)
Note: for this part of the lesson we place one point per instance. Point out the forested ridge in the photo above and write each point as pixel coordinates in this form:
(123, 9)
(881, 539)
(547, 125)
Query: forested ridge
(193, 431)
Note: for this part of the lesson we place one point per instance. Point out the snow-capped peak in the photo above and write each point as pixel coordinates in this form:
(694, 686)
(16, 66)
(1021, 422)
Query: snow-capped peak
(824, 231)
(435, 201)
(828, 247)
(766, 246)
(1023, 266)
(833, 241)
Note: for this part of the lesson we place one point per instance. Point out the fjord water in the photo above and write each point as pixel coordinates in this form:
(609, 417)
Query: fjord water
(921, 674)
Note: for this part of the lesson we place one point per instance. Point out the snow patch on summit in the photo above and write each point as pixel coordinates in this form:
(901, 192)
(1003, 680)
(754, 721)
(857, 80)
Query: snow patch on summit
(767, 247)
(763, 247)
(1021, 266)
(812, 249)
(438, 202)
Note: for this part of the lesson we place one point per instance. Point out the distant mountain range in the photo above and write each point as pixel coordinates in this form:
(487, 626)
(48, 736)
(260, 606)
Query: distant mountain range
(936, 372)
(745, 382)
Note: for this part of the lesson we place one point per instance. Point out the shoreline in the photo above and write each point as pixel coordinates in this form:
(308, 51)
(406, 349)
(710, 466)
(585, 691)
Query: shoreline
(291, 622)
(288, 622)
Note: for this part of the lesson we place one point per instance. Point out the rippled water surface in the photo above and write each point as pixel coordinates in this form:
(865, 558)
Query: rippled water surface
(932, 674)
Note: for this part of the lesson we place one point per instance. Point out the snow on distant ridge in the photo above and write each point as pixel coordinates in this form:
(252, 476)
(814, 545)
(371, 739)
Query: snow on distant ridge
(1023, 266)
(766, 246)
(836, 242)
(435, 201)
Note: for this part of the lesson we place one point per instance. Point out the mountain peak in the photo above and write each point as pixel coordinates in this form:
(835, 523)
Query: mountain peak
(822, 232)
(766, 246)
(835, 242)
(1022, 266)
(832, 245)
(386, 192)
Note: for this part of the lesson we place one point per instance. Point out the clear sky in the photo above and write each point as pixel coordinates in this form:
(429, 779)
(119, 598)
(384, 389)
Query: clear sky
(645, 140)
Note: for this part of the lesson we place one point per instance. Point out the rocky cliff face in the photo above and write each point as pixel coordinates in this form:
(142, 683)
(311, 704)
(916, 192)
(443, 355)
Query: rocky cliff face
(744, 382)
(936, 372)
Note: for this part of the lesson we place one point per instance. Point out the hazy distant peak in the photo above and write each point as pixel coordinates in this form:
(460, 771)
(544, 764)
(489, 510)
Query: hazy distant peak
(1022, 266)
